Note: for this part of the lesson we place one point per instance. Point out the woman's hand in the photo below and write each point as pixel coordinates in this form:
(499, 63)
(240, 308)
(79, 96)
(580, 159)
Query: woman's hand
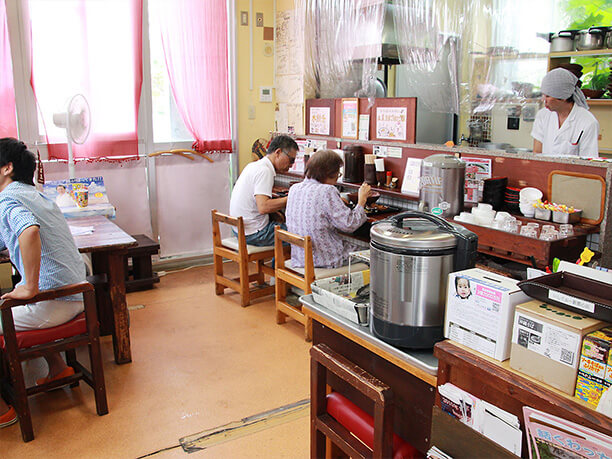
(363, 193)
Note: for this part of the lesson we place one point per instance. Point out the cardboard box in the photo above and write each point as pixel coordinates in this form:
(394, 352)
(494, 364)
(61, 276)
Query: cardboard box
(546, 344)
(479, 311)
(594, 372)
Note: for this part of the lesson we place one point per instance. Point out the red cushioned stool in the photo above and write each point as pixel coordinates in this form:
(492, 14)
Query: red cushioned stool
(349, 428)
(361, 424)
(18, 347)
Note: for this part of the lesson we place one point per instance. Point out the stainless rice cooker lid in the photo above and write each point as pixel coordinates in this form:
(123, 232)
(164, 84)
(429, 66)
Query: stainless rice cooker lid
(443, 161)
(412, 234)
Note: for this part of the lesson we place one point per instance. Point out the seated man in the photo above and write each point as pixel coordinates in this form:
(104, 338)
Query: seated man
(252, 196)
(42, 249)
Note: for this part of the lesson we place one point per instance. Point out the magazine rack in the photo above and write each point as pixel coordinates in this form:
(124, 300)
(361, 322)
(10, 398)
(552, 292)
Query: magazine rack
(498, 384)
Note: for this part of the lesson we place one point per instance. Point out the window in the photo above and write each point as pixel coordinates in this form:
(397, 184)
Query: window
(168, 125)
(58, 55)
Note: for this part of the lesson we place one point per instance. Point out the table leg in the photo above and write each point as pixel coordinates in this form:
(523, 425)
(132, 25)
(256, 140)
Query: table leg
(116, 283)
(112, 303)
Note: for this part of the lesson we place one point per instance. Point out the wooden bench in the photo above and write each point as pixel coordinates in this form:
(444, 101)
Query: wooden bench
(141, 275)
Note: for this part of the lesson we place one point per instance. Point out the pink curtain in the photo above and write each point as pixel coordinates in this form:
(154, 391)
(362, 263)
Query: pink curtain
(194, 37)
(92, 48)
(8, 121)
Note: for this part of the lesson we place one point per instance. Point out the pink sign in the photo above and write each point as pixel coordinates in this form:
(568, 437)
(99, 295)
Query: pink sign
(488, 293)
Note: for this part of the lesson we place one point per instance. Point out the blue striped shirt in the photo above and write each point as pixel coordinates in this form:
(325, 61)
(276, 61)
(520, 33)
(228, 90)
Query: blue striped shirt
(22, 206)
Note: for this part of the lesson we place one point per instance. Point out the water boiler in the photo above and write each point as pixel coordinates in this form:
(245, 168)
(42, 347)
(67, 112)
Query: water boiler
(442, 185)
(411, 255)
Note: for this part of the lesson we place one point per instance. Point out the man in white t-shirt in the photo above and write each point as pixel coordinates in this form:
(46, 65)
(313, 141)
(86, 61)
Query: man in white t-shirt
(565, 127)
(252, 195)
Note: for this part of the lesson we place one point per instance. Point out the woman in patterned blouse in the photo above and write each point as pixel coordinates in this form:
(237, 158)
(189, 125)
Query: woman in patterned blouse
(315, 209)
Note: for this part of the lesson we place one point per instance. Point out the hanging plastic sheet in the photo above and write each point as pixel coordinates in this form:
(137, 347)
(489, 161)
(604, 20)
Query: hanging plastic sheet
(341, 46)
(429, 36)
(481, 59)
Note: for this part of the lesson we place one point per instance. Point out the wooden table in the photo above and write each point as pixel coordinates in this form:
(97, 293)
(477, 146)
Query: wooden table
(411, 374)
(108, 246)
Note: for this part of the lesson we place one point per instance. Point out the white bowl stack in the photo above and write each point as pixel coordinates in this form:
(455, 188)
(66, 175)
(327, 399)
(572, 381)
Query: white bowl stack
(527, 198)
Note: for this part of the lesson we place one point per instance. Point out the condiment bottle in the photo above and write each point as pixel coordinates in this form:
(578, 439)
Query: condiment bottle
(389, 178)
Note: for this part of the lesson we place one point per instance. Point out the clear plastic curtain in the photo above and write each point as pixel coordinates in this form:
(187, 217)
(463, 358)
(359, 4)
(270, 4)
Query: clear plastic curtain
(341, 46)
(510, 69)
(92, 48)
(194, 37)
(8, 122)
(430, 34)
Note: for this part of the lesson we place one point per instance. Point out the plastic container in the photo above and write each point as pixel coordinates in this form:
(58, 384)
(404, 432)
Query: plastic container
(566, 217)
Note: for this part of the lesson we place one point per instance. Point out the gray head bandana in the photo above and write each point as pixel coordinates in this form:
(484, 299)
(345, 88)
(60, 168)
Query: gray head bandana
(561, 84)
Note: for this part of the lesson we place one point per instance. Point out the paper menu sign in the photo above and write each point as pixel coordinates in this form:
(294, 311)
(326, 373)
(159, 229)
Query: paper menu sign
(391, 123)
(412, 177)
(364, 127)
(319, 120)
(476, 171)
(350, 118)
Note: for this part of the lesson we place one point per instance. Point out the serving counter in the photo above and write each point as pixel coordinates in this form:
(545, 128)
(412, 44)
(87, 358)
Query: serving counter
(411, 375)
(522, 170)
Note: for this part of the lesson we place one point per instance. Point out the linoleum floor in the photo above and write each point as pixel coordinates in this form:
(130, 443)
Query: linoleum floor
(200, 361)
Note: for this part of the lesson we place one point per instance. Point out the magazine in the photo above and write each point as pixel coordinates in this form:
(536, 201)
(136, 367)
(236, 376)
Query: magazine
(63, 191)
(550, 436)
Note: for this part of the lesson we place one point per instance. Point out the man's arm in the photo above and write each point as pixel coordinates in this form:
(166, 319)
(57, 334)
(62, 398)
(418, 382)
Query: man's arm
(30, 248)
(537, 146)
(268, 205)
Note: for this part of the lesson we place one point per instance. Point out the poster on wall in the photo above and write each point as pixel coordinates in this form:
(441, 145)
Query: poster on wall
(350, 118)
(476, 171)
(320, 119)
(391, 123)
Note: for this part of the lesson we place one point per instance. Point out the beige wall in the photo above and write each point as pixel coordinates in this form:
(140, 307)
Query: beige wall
(263, 75)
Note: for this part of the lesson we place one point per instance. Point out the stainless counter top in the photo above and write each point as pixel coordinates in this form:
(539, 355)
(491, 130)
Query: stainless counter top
(421, 359)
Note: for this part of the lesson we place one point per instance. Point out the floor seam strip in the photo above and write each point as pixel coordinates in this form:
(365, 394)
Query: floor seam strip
(246, 426)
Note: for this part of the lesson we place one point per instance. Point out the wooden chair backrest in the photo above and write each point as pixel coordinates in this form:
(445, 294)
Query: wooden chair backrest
(305, 243)
(237, 222)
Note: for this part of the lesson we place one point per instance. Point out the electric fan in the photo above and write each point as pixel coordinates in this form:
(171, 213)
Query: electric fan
(76, 120)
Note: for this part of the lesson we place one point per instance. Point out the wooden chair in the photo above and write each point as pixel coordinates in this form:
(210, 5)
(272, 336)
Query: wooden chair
(236, 249)
(324, 360)
(300, 278)
(18, 347)
(286, 275)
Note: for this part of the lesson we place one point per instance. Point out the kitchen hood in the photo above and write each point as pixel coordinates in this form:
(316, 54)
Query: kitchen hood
(377, 45)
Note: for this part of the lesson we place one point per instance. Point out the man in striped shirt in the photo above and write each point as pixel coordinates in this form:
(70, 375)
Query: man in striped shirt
(42, 249)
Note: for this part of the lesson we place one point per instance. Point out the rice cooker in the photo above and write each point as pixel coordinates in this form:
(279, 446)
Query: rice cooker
(411, 255)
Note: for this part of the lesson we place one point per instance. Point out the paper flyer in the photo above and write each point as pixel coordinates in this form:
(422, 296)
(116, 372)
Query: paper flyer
(476, 171)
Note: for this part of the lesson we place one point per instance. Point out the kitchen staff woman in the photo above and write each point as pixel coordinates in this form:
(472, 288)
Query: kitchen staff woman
(565, 127)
